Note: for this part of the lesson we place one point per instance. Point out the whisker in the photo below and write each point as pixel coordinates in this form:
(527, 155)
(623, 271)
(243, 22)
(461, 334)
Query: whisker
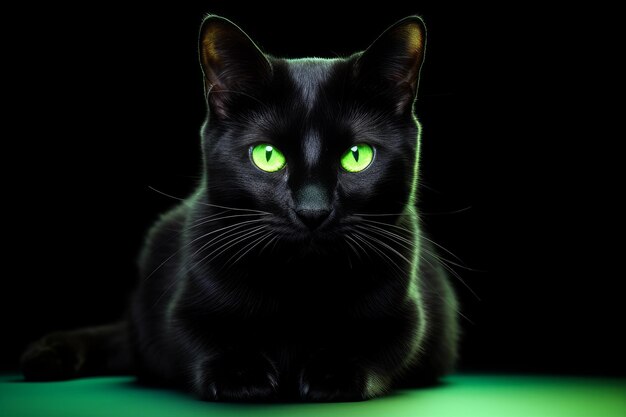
(171, 285)
(275, 243)
(448, 261)
(363, 239)
(389, 234)
(268, 243)
(395, 226)
(356, 252)
(420, 235)
(350, 257)
(446, 212)
(452, 272)
(444, 262)
(206, 204)
(357, 243)
(388, 247)
(165, 291)
(228, 233)
(191, 242)
(445, 299)
(209, 217)
(445, 250)
(250, 245)
(381, 214)
(223, 218)
(217, 252)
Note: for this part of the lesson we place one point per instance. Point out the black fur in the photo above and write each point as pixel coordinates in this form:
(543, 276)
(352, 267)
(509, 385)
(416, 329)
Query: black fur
(311, 282)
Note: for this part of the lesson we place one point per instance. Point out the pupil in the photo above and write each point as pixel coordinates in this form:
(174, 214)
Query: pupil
(268, 153)
(355, 153)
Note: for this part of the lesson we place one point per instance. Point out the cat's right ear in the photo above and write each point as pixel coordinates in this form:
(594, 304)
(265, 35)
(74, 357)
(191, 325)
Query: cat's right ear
(232, 64)
(393, 62)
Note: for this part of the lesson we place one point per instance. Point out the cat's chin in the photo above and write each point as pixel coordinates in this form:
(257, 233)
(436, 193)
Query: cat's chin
(312, 243)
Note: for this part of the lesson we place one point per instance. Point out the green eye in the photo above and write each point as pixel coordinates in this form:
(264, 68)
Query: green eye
(358, 157)
(267, 158)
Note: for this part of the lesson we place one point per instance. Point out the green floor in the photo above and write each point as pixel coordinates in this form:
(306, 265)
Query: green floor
(466, 395)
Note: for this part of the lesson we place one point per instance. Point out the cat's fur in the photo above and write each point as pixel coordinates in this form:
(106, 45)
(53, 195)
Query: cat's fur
(311, 282)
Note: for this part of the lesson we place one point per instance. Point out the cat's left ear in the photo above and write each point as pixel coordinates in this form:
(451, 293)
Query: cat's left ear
(394, 60)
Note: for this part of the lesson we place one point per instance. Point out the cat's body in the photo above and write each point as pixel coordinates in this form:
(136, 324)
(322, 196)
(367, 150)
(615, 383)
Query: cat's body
(304, 279)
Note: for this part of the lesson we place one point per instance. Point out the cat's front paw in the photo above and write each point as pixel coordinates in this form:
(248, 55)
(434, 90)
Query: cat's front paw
(328, 377)
(54, 357)
(238, 376)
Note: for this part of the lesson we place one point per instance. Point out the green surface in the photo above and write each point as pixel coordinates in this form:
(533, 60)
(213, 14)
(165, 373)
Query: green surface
(484, 396)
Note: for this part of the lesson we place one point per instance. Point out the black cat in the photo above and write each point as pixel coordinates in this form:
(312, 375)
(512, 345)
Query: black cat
(297, 269)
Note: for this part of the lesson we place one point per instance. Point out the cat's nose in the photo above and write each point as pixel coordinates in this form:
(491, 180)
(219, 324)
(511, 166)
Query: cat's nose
(312, 205)
(313, 218)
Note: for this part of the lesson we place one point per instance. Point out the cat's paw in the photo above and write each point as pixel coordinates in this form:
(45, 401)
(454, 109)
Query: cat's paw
(328, 377)
(238, 376)
(54, 357)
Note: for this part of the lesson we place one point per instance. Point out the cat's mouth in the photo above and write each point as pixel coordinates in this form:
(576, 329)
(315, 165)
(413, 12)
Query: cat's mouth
(319, 240)
(312, 222)
(313, 245)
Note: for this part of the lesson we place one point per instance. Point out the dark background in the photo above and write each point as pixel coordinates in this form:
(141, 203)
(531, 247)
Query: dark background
(106, 101)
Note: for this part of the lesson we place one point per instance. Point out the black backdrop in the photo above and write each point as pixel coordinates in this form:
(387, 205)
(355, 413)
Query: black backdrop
(107, 101)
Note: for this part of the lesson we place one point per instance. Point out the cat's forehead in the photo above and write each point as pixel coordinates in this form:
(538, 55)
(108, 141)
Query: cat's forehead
(308, 75)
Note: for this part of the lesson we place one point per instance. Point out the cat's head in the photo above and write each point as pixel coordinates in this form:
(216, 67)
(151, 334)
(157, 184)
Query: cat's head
(315, 143)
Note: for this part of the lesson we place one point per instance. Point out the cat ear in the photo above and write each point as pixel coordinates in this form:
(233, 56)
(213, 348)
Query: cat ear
(232, 64)
(394, 60)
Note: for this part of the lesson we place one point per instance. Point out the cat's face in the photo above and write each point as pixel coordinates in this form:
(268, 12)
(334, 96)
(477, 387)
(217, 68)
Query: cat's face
(316, 143)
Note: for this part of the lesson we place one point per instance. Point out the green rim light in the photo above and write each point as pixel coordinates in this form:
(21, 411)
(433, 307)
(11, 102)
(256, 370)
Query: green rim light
(358, 157)
(267, 158)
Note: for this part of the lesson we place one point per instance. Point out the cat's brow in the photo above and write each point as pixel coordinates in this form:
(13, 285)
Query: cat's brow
(308, 75)
(311, 148)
